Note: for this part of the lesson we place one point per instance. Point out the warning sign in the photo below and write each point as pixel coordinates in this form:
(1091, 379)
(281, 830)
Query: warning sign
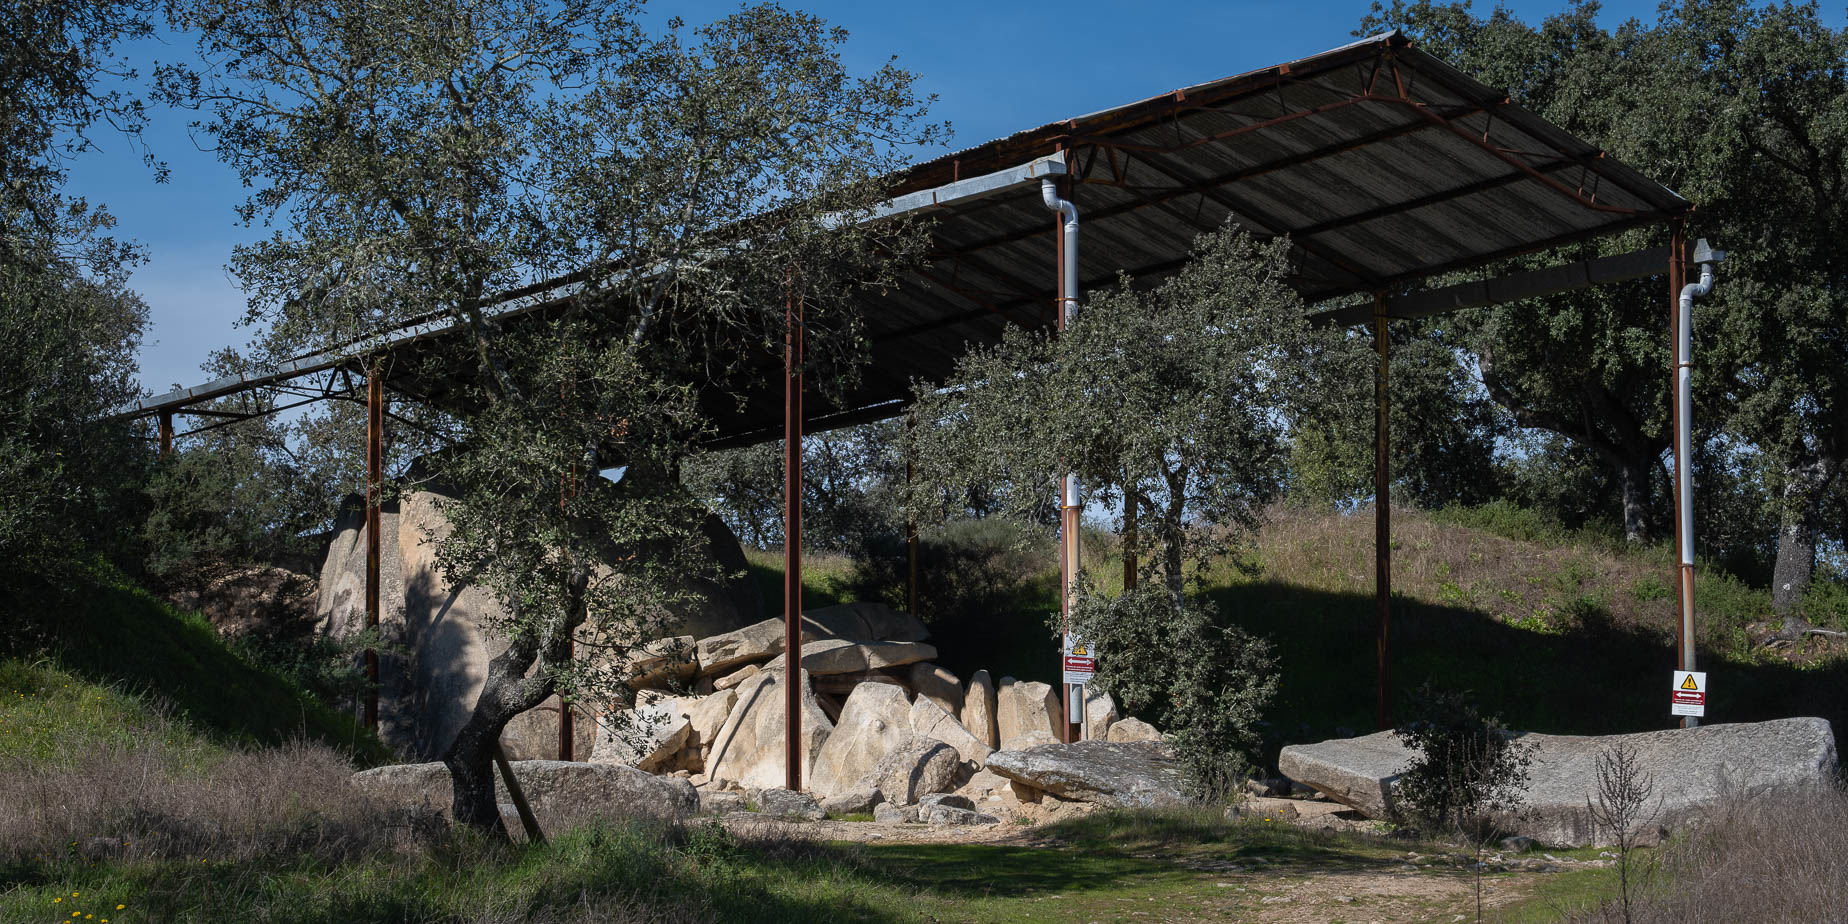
(1688, 693)
(1080, 660)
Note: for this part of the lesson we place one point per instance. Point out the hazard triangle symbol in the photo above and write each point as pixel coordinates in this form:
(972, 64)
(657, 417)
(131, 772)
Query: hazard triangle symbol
(1689, 684)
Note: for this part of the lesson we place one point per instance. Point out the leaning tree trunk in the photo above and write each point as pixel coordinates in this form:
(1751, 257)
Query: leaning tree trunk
(470, 757)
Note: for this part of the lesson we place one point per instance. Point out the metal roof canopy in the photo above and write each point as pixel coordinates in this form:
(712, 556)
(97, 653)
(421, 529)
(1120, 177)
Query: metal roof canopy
(1383, 164)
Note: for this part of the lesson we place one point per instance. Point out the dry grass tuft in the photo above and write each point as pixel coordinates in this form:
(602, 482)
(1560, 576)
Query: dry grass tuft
(139, 798)
(1771, 857)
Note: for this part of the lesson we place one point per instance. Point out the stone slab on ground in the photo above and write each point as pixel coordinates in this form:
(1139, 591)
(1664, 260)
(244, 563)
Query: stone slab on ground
(1695, 771)
(557, 790)
(785, 803)
(1113, 774)
(756, 642)
(916, 768)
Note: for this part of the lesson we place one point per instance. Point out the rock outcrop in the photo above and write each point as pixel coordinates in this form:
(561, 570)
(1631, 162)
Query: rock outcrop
(1022, 707)
(875, 720)
(1696, 771)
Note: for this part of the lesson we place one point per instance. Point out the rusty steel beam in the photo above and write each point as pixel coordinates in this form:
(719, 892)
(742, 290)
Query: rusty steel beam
(792, 543)
(1382, 509)
(375, 483)
(166, 434)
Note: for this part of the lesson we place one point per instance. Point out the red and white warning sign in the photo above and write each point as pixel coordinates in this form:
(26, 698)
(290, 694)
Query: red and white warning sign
(1080, 660)
(1688, 693)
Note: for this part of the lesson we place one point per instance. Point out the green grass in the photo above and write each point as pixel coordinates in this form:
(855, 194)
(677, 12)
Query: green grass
(1111, 867)
(101, 630)
(43, 710)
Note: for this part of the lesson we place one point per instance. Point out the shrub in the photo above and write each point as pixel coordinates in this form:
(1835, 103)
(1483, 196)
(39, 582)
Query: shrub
(1467, 768)
(1189, 670)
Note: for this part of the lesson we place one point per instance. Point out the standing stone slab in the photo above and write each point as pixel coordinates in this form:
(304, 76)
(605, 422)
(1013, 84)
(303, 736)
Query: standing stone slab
(914, 769)
(1022, 707)
(1131, 730)
(1697, 771)
(938, 685)
(978, 714)
(1100, 712)
(1138, 775)
(749, 747)
(875, 720)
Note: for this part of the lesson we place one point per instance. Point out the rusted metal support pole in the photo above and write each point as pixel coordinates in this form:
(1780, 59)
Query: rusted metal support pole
(911, 556)
(166, 434)
(1684, 572)
(1382, 508)
(792, 543)
(375, 484)
(1129, 538)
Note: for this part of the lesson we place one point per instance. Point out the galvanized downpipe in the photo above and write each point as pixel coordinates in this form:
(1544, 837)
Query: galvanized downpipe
(1684, 442)
(1068, 493)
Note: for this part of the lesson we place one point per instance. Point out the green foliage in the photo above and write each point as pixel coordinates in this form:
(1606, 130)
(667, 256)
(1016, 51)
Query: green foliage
(1467, 768)
(851, 478)
(1192, 672)
(1181, 396)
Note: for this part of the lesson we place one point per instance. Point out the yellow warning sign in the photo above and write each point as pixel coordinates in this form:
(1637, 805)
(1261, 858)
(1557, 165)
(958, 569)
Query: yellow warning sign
(1689, 683)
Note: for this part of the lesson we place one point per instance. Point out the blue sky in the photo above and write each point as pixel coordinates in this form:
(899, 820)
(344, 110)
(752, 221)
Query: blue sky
(995, 67)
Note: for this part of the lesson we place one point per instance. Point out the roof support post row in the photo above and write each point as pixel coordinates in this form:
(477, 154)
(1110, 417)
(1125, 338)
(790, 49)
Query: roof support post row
(1382, 508)
(792, 541)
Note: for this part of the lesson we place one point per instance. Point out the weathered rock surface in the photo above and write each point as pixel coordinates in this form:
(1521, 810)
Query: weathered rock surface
(756, 642)
(888, 814)
(929, 720)
(1022, 707)
(735, 677)
(852, 802)
(875, 720)
(557, 790)
(978, 715)
(1118, 775)
(1132, 730)
(785, 803)
(426, 695)
(647, 737)
(1031, 738)
(914, 769)
(749, 747)
(706, 715)
(721, 801)
(934, 683)
(839, 656)
(951, 809)
(1696, 771)
(862, 622)
(662, 663)
(533, 734)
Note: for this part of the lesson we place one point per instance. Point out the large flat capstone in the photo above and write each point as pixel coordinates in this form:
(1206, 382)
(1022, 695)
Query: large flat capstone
(1695, 771)
(1117, 775)
(557, 790)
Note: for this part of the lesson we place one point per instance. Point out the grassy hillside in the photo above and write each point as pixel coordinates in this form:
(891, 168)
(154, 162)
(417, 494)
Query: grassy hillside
(1558, 631)
(99, 630)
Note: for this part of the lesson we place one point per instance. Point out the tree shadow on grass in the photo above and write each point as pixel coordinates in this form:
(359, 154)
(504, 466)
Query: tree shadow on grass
(1589, 677)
